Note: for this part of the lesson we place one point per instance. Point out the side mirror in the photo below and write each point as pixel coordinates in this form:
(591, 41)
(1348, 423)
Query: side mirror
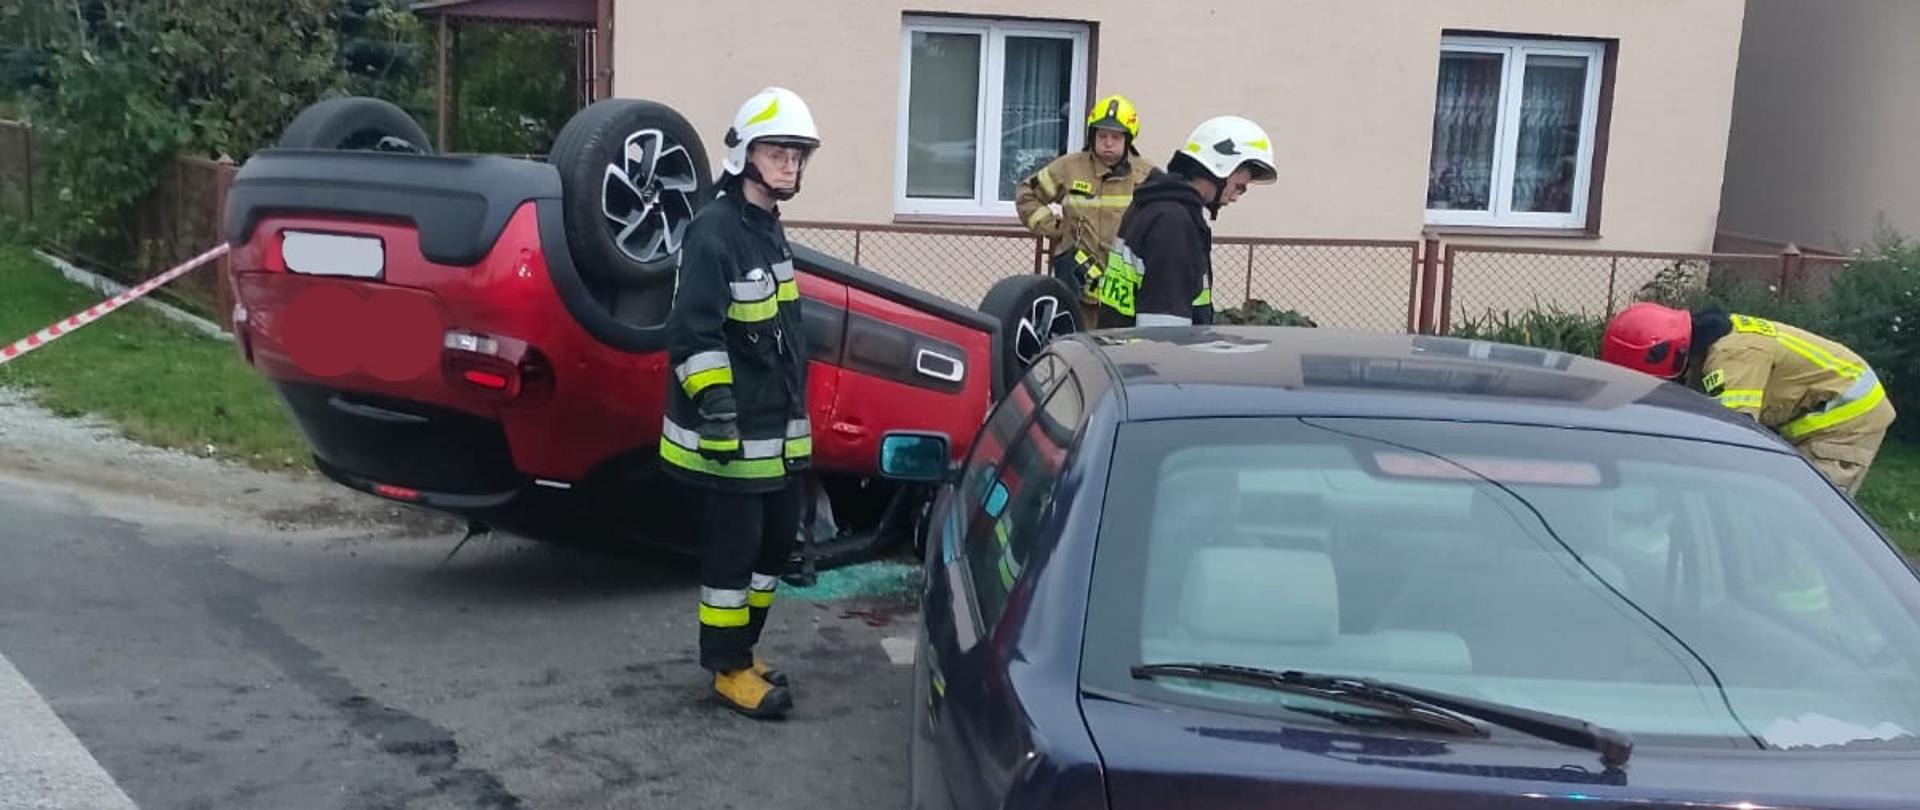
(907, 456)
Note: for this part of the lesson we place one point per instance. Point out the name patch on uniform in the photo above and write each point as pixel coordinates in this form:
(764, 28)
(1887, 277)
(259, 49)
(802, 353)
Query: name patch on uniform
(1754, 326)
(1714, 381)
(1083, 187)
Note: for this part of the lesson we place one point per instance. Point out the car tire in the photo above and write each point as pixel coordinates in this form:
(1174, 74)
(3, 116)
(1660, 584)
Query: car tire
(632, 174)
(1032, 311)
(356, 123)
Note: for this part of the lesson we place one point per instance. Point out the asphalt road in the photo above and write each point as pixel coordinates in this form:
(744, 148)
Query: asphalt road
(202, 664)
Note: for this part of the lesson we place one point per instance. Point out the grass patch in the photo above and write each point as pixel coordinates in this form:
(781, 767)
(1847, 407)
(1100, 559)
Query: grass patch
(160, 382)
(1892, 492)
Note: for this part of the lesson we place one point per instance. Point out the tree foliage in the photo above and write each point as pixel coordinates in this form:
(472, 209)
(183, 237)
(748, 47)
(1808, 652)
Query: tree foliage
(516, 88)
(118, 87)
(386, 52)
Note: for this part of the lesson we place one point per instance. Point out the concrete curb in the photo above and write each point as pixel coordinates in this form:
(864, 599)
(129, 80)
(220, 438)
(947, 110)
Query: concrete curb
(108, 286)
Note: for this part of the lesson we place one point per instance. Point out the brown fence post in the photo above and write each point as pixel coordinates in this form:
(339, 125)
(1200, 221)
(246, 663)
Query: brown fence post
(1429, 278)
(856, 247)
(26, 133)
(1791, 260)
(223, 299)
(1414, 286)
(1446, 293)
(1039, 256)
(1613, 275)
(170, 221)
(1247, 294)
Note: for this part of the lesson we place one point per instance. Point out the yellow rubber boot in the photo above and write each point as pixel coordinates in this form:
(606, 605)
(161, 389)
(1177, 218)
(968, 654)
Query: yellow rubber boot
(769, 674)
(746, 692)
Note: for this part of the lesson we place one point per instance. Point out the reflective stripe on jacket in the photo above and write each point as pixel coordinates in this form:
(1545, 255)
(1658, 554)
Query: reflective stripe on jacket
(736, 325)
(1161, 262)
(1791, 380)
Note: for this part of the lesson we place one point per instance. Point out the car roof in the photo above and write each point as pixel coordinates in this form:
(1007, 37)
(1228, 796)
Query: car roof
(1211, 371)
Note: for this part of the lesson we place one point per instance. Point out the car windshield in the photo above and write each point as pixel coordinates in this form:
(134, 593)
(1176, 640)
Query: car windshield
(1684, 592)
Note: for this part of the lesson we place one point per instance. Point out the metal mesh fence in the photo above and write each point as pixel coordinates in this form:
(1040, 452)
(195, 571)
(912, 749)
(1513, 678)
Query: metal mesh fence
(1480, 282)
(958, 265)
(1351, 284)
(1358, 284)
(1814, 277)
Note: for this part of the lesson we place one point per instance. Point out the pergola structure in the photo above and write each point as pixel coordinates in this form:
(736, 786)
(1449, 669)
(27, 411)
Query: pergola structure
(591, 21)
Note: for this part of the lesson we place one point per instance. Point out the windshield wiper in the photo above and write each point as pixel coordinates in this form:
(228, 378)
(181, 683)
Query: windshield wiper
(1439, 709)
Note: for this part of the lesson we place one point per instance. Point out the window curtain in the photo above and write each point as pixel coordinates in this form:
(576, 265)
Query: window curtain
(1035, 121)
(1546, 161)
(1466, 116)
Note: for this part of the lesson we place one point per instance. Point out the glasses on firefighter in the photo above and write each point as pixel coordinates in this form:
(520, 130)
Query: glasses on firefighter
(780, 154)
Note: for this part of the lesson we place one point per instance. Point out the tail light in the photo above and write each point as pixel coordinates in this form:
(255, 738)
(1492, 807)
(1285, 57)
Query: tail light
(495, 366)
(398, 493)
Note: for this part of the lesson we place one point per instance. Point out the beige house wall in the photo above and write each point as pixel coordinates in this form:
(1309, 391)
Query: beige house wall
(1346, 90)
(1826, 116)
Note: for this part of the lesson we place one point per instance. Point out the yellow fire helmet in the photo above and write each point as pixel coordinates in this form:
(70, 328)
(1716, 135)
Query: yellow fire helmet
(1115, 113)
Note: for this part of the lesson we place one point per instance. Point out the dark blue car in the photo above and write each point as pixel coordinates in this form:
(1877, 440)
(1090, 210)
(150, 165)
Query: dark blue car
(1245, 567)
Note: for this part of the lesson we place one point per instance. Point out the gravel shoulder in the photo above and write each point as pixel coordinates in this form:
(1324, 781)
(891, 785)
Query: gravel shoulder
(40, 447)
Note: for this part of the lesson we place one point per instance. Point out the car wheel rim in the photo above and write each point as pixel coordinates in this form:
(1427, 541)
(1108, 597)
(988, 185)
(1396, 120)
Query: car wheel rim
(1044, 320)
(374, 140)
(648, 196)
(395, 143)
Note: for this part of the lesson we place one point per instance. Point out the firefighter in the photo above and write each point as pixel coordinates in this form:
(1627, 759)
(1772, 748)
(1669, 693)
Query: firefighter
(1093, 188)
(736, 421)
(1159, 271)
(1817, 394)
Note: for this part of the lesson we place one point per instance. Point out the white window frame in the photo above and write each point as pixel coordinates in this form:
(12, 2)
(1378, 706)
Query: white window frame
(1514, 53)
(987, 115)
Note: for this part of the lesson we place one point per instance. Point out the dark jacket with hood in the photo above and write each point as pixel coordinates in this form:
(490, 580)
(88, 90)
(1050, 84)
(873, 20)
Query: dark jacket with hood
(1159, 271)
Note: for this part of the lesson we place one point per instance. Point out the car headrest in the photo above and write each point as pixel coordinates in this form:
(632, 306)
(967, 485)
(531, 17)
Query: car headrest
(1193, 508)
(1262, 595)
(1285, 520)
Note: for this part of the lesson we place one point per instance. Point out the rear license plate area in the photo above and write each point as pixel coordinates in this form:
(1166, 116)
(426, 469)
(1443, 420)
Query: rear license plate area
(332, 254)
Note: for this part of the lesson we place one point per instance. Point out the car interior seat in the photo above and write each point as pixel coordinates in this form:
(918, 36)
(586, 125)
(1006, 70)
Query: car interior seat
(1280, 609)
(1192, 509)
(1509, 585)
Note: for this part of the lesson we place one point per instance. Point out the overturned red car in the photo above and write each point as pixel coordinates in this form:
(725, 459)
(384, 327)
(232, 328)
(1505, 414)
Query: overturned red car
(482, 335)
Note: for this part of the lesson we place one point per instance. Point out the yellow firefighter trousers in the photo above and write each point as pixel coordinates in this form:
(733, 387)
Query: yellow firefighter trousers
(1845, 451)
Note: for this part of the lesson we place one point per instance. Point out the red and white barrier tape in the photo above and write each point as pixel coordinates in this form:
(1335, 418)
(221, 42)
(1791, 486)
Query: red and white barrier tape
(95, 312)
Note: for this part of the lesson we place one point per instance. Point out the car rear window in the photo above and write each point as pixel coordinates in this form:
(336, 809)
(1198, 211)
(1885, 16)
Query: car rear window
(1684, 591)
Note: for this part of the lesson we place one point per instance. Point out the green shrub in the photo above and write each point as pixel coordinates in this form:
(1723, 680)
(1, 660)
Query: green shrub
(1256, 312)
(1544, 327)
(1874, 309)
(1693, 285)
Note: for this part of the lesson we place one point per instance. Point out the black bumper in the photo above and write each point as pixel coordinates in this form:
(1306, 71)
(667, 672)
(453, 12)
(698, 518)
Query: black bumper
(406, 450)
